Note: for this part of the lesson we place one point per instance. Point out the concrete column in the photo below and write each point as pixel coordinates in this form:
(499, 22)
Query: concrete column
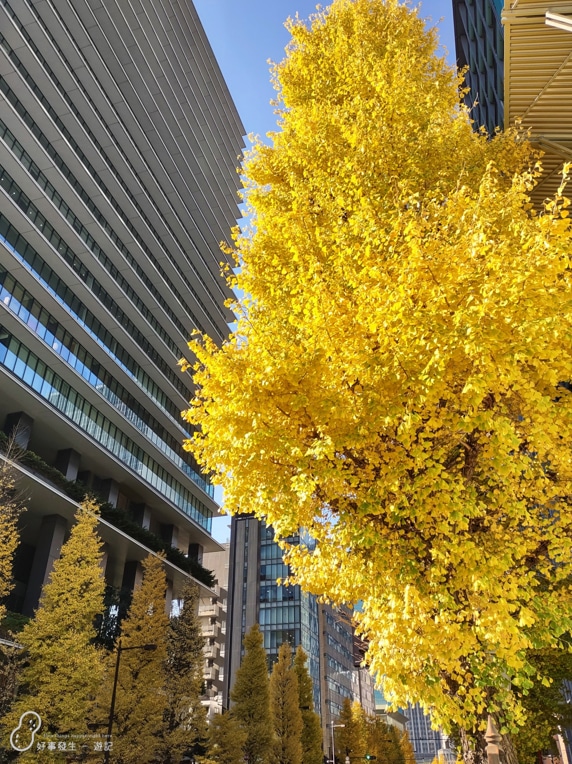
(196, 552)
(19, 425)
(109, 490)
(141, 514)
(170, 534)
(50, 540)
(169, 597)
(67, 462)
(132, 575)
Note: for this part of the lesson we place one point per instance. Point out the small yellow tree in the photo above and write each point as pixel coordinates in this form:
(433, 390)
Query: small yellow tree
(11, 506)
(397, 383)
(226, 740)
(407, 748)
(185, 716)
(141, 700)
(62, 666)
(285, 710)
(351, 734)
(311, 726)
(250, 698)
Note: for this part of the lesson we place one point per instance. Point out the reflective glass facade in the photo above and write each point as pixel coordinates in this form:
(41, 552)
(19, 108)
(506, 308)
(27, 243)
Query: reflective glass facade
(26, 366)
(45, 326)
(285, 613)
(258, 595)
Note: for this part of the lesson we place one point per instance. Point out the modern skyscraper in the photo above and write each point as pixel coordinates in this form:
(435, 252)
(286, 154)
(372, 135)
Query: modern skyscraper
(284, 613)
(118, 154)
(428, 744)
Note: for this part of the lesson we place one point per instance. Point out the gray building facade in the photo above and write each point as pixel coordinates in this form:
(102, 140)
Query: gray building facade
(212, 612)
(118, 154)
(284, 613)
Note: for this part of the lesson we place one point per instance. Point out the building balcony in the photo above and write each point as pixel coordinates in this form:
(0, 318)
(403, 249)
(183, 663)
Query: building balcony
(209, 610)
(211, 672)
(211, 651)
(211, 630)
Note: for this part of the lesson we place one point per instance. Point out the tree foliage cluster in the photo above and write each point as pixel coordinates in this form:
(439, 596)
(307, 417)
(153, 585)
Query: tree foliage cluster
(394, 384)
(364, 735)
(64, 674)
(12, 504)
(272, 718)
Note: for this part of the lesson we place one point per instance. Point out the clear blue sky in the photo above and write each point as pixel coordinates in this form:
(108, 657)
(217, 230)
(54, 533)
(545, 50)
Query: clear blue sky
(244, 36)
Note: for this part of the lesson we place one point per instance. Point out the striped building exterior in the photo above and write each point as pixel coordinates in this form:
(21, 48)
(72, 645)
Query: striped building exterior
(119, 144)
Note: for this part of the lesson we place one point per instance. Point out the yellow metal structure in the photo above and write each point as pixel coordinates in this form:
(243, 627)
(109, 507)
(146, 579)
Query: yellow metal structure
(538, 81)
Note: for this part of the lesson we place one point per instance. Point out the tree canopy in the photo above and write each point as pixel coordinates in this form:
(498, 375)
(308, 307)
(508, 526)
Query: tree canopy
(285, 710)
(397, 380)
(185, 717)
(12, 504)
(226, 739)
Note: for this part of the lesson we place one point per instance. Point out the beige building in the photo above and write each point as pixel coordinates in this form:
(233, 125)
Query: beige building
(213, 617)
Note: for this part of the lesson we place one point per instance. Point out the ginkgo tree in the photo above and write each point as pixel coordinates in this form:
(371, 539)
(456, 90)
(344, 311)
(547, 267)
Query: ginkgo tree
(397, 380)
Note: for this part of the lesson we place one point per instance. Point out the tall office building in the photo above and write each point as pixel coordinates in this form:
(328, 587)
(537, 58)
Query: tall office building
(287, 614)
(428, 744)
(284, 613)
(118, 148)
(479, 46)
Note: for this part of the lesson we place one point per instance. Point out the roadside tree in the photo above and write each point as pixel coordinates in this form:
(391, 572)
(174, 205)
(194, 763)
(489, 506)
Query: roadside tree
(141, 699)
(547, 707)
(12, 504)
(226, 740)
(311, 726)
(185, 718)
(397, 381)
(385, 742)
(250, 698)
(407, 748)
(350, 732)
(285, 710)
(62, 668)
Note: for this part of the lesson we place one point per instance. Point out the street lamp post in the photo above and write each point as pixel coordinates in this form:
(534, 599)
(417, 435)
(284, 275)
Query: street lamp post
(333, 727)
(120, 649)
